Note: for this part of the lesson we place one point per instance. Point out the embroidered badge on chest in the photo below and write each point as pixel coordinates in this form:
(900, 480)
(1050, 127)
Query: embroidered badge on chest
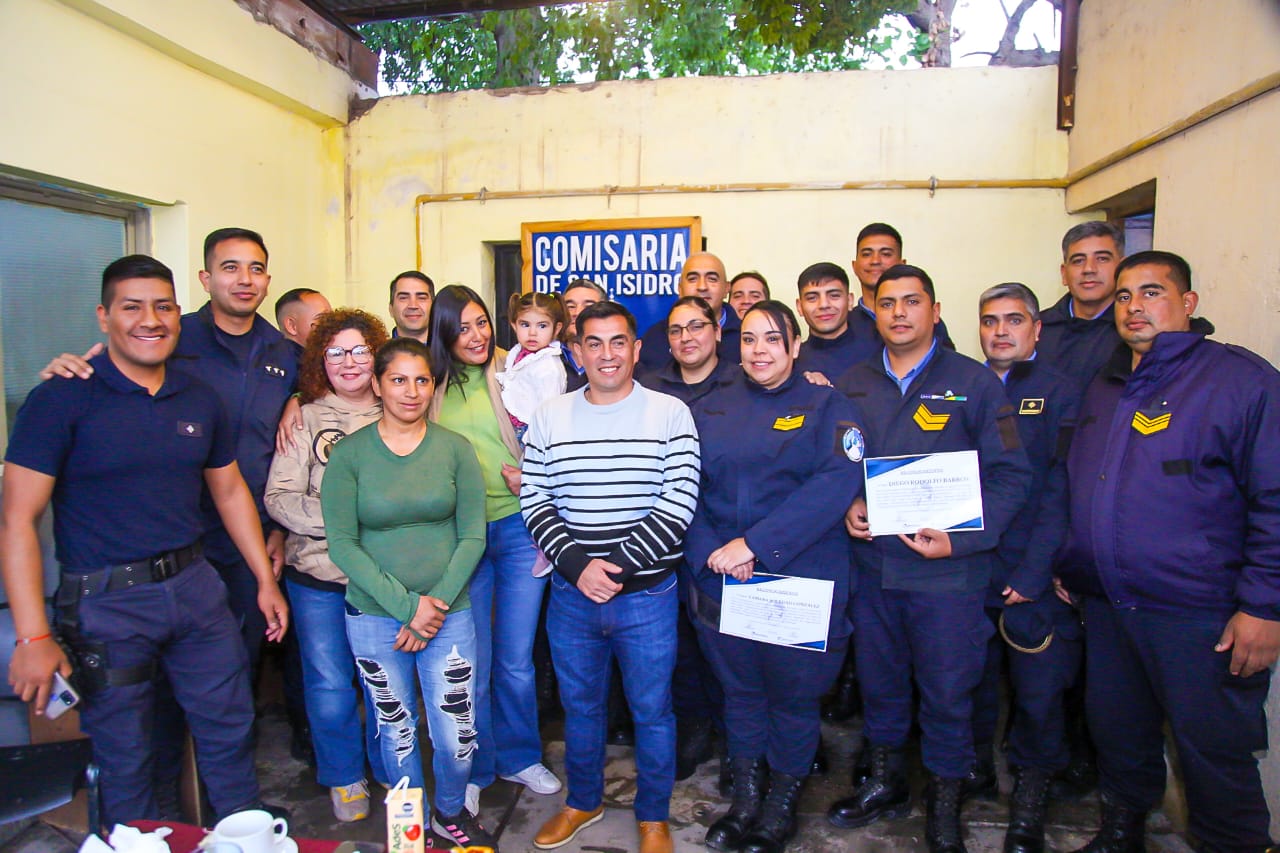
(789, 423)
(1031, 406)
(1146, 425)
(928, 421)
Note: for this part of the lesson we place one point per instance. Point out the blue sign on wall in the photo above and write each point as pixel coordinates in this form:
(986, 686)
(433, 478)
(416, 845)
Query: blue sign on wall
(637, 261)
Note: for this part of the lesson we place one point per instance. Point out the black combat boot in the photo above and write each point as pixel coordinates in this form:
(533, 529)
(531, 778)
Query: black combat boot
(724, 784)
(885, 794)
(1026, 811)
(819, 766)
(982, 782)
(693, 745)
(748, 795)
(1123, 829)
(942, 815)
(861, 766)
(777, 822)
(844, 702)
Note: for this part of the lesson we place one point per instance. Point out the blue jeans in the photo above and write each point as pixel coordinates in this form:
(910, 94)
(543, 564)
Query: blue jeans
(445, 668)
(330, 692)
(639, 629)
(507, 599)
(184, 625)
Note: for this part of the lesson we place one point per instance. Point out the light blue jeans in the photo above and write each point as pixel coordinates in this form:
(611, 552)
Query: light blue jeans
(504, 588)
(331, 696)
(446, 669)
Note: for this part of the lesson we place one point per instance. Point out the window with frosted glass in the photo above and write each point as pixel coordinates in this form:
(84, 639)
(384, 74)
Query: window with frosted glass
(51, 262)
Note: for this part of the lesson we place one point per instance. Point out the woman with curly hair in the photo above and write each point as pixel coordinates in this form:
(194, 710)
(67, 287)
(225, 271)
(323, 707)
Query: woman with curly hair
(336, 389)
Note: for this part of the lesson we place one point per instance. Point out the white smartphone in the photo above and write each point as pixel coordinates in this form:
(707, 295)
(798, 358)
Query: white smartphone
(62, 698)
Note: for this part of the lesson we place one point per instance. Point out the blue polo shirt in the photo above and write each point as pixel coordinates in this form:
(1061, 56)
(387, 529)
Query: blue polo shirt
(129, 465)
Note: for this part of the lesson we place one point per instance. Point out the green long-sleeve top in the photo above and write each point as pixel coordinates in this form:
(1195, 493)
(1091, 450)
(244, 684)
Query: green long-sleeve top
(404, 526)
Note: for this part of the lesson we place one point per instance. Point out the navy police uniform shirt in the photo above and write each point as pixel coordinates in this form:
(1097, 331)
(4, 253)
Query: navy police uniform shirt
(254, 389)
(668, 380)
(129, 465)
(1175, 481)
(954, 403)
(1076, 346)
(1045, 404)
(863, 321)
(833, 356)
(779, 468)
(656, 349)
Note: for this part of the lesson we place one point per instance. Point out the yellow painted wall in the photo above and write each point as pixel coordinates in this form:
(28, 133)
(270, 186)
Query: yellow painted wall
(1147, 64)
(95, 98)
(811, 128)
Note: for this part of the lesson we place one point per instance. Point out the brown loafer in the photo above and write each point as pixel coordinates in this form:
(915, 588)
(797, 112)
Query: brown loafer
(655, 837)
(562, 828)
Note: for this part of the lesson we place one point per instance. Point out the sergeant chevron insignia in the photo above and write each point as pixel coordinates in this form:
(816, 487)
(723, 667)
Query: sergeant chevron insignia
(1144, 425)
(928, 421)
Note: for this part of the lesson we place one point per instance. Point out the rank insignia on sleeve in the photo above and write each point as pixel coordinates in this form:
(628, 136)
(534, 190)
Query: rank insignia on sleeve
(1031, 406)
(789, 423)
(928, 421)
(1144, 425)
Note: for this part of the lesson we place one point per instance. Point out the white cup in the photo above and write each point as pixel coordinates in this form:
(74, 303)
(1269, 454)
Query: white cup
(254, 831)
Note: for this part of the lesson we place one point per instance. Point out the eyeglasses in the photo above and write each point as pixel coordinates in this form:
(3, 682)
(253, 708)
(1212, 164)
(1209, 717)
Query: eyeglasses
(693, 327)
(360, 354)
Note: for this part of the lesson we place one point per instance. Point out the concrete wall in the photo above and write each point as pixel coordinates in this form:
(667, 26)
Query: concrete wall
(194, 108)
(812, 129)
(1148, 64)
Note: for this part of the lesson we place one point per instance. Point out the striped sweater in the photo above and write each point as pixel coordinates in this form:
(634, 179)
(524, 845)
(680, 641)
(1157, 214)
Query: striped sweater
(618, 482)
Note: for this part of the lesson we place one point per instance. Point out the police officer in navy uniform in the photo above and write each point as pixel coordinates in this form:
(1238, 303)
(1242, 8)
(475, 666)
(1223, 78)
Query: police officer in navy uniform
(1039, 635)
(878, 247)
(1079, 330)
(833, 345)
(919, 609)
(123, 457)
(702, 275)
(781, 466)
(1174, 556)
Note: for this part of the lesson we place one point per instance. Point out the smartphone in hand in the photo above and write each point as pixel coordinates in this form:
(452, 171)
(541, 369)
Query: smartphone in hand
(62, 698)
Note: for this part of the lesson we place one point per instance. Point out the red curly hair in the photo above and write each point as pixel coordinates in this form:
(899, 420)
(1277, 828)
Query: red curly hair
(313, 382)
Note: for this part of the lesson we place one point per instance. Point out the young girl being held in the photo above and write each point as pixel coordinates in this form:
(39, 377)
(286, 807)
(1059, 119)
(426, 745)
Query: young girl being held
(534, 371)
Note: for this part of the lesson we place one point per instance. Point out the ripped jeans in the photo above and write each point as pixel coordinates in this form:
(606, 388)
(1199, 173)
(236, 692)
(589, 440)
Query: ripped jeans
(445, 669)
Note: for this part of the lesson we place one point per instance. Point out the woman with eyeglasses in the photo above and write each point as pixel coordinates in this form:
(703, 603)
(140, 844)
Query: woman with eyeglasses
(779, 469)
(336, 390)
(694, 370)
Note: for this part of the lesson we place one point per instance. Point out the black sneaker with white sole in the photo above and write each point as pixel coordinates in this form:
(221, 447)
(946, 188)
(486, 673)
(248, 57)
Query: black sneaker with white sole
(463, 830)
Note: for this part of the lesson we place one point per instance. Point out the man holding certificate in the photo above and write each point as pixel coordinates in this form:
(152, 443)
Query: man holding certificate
(941, 433)
(770, 559)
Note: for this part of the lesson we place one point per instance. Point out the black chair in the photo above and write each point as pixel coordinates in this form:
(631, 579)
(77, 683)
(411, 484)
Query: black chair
(38, 777)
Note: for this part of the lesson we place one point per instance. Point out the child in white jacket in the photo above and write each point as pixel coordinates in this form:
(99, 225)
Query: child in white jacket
(534, 370)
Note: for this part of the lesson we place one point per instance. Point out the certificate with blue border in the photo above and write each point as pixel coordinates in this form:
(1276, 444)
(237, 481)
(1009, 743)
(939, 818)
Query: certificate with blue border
(781, 610)
(938, 490)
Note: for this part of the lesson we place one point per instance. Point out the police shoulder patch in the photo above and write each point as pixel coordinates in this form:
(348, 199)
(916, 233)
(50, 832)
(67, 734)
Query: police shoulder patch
(853, 444)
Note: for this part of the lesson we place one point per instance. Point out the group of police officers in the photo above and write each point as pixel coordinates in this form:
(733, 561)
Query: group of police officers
(1131, 489)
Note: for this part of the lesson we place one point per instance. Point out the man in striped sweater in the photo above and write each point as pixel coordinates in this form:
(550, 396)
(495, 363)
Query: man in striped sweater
(609, 485)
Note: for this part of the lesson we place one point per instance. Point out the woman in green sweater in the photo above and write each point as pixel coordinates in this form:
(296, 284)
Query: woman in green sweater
(506, 594)
(404, 509)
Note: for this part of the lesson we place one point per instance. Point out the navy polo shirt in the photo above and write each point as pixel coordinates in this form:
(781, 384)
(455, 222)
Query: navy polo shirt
(254, 389)
(129, 465)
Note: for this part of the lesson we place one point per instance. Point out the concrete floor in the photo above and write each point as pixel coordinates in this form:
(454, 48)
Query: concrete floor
(517, 814)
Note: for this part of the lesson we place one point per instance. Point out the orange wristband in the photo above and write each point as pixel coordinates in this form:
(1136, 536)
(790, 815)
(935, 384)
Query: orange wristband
(26, 641)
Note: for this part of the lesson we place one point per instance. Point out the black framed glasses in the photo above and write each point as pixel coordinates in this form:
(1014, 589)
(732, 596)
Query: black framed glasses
(360, 354)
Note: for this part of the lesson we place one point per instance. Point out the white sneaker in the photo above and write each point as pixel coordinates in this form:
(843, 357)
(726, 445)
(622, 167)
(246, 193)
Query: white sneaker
(472, 802)
(537, 778)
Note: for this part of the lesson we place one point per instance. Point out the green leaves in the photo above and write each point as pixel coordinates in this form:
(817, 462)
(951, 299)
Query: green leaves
(624, 39)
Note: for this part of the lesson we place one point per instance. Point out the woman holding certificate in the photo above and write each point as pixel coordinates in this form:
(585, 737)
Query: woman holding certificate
(770, 563)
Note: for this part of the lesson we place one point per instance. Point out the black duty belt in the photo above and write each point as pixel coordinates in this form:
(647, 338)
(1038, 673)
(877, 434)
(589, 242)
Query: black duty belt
(155, 569)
